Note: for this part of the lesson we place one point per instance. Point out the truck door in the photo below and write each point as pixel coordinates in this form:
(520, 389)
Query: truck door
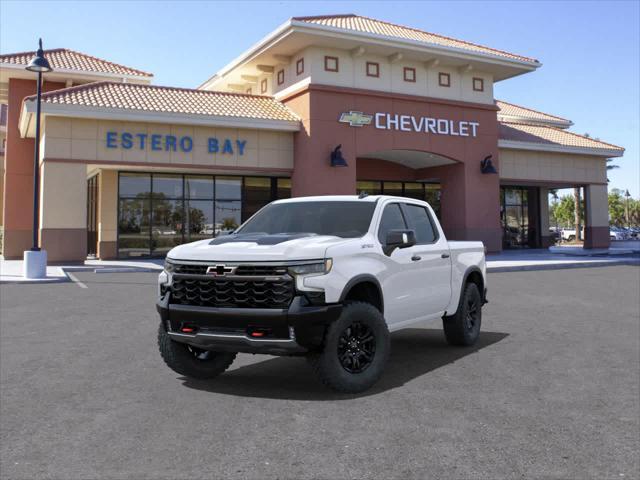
(401, 293)
(431, 258)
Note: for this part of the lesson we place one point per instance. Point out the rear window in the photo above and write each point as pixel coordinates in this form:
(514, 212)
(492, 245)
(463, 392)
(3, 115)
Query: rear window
(342, 219)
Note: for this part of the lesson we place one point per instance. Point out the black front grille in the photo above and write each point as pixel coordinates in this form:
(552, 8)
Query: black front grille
(261, 270)
(232, 293)
(190, 269)
(248, 270)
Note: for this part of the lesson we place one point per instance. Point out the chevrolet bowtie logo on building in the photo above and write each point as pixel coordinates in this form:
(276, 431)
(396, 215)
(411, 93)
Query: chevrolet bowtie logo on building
(356, 119)
(220, 270)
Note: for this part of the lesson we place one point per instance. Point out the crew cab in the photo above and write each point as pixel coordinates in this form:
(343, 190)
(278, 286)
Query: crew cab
(325, 277)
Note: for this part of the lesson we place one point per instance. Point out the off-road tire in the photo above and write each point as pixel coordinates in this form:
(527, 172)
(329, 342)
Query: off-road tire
(463, 328)
(181, 359)
(327, 365)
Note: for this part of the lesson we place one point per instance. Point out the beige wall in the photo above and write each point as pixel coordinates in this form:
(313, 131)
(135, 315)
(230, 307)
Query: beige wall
(552, 167)
(352, 73)
(63, 195)
(80, 139)
(108, 206)
(597, 212)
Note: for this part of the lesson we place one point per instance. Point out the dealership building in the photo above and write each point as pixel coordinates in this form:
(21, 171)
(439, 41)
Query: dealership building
(323, 105)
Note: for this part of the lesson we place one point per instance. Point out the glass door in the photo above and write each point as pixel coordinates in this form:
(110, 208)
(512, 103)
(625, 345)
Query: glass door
(92, 216)
(519, 218)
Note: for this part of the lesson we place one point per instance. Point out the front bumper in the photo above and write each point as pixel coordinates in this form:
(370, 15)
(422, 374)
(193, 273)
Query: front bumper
(297, 329)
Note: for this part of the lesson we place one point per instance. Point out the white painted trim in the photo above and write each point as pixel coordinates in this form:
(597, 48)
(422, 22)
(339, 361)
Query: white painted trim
(533, 121)
(542, 147)
(285, 92)
(246, 55)
(128, 115)
(85, 73)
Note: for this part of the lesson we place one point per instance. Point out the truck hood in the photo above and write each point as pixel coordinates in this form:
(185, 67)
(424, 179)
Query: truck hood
(254, 247)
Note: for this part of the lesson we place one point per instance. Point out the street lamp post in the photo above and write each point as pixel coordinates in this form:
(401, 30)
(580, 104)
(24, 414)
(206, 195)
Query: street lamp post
(555, 205)
(35, 260)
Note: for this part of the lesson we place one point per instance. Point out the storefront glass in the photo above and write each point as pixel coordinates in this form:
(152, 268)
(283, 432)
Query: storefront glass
(429, 192)
(159, 211)
(519, 217)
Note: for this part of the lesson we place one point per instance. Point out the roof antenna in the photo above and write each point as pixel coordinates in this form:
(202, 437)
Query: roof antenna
(363, 194)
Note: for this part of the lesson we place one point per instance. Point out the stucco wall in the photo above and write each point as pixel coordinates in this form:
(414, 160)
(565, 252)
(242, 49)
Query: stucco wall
(352, 73)
(85, 140)
(552, 167)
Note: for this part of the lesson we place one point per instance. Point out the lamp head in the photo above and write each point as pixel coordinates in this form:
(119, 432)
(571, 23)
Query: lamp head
(337, 160)
(39, 62)
(486, 166)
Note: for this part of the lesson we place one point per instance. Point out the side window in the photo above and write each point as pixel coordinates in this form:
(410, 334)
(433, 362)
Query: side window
(419, 220)
(392, 219)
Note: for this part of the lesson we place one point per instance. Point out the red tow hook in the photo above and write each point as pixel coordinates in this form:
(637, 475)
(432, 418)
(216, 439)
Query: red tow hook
(187, 329)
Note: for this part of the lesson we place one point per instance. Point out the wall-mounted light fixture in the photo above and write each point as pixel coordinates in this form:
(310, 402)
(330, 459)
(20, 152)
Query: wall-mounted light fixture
(486, 166)
(337, 160)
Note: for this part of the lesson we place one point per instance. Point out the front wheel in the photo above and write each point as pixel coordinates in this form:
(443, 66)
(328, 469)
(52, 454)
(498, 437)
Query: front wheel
(463, 327)
(356, 349)
(191, 361)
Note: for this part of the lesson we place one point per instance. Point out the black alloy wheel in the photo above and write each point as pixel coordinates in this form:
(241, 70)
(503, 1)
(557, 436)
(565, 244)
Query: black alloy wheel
(356, 347)
(473, 312)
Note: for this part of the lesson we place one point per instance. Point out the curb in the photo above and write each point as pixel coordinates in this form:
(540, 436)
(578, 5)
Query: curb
(562, 266)
(125, 270)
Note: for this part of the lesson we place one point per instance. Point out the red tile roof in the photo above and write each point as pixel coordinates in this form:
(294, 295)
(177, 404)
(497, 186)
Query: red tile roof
(65, 59)
(544, 135)
(513, 110)
(370, 25)
(152, 98)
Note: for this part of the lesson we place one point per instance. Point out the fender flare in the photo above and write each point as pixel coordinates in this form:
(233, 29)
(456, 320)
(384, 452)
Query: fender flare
(469, 271)
(362, 278)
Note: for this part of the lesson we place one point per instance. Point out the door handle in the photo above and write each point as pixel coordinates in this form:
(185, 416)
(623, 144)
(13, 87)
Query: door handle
(445, 255)
(415, 258)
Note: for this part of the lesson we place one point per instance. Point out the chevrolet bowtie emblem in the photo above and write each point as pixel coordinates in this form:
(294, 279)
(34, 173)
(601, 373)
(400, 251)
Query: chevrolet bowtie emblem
(355, 119)
(220, 270)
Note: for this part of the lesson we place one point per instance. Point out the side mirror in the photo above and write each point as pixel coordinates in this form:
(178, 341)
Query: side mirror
(399, 239)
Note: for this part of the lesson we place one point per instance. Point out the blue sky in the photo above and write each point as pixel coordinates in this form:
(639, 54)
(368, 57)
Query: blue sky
(589, 50)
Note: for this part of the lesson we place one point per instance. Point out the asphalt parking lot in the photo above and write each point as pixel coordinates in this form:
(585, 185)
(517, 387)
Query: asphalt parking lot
(551, 391)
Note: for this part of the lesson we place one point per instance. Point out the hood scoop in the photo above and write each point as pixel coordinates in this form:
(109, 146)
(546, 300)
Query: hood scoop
(260, 238)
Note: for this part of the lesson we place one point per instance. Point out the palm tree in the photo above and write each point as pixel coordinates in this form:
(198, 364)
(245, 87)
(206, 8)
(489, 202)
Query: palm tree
(611, 167)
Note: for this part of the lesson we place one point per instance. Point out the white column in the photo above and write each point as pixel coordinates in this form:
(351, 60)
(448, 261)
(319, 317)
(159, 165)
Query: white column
(596, 216)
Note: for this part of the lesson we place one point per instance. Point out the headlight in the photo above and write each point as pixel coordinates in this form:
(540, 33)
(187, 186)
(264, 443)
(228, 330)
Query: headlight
(320, 268)
(168, 266)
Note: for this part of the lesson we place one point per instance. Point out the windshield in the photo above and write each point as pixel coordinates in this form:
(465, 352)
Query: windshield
(341, 219)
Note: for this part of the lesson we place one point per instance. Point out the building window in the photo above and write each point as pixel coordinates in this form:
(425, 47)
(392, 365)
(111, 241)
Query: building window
(444, 79)
(263, 86)
(430, 192)
(248, 91)
(373, 69)
(409, 74)
(159, 211)
(300, 66)
(280, 77)
(331, 64)
(478, 84)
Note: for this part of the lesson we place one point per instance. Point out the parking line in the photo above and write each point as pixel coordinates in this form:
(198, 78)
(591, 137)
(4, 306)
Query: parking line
(75, 280)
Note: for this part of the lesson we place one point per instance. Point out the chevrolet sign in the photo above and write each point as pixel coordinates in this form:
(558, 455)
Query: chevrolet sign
(410, 123)
(355, 119)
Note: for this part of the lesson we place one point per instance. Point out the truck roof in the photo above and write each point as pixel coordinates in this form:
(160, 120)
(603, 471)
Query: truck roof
(339, 198)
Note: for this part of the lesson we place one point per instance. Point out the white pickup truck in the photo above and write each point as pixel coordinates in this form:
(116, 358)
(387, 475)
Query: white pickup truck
(325, 277)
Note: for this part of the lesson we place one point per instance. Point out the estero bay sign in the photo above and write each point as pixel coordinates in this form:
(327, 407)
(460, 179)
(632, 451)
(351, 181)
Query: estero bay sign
(411, 123)
(171, 143)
